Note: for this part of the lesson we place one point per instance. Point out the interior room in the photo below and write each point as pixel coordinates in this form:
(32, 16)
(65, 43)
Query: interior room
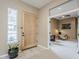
(64, 30)
(39, 29)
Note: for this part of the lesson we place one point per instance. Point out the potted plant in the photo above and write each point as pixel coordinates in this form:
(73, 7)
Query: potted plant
(13, 50)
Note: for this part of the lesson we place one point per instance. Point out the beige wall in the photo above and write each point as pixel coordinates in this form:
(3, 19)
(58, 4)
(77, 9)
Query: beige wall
(54, 26)
(44, 24)
(70, 32)
(4, 5)
(57, 25)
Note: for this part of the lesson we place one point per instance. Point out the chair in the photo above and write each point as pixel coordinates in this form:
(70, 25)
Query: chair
(52, 38)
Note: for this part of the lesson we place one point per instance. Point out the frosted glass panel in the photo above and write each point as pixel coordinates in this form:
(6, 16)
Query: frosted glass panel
(12, 25)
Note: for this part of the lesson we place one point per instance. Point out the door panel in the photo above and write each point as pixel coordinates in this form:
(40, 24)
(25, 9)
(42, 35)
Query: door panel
(29, 25)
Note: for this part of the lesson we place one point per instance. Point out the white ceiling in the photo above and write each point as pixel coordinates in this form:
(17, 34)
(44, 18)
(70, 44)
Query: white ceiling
(72, 14)
(37, 3)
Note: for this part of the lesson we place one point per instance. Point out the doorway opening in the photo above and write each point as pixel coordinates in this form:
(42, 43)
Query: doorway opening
(64, 29)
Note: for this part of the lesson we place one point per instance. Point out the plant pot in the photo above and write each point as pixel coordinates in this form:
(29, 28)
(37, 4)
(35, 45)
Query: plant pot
(13, 52)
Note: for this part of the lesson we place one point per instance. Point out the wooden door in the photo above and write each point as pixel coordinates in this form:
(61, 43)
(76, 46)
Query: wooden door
(29, 29)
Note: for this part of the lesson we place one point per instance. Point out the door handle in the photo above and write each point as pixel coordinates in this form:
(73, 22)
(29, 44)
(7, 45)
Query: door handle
(22, 32)
(22, 35)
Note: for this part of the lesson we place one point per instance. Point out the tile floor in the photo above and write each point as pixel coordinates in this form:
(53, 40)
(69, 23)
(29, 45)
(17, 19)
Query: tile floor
(65, 49)
(65, 52)
(55, 52)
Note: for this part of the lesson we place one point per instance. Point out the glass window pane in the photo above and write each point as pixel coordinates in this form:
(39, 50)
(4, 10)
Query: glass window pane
(12, 25)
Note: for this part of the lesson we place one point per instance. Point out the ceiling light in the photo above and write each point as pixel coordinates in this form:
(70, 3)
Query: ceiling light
(63, 16)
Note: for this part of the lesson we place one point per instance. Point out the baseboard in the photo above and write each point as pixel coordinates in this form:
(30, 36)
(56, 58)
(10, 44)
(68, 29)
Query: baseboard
(5, 55)
(29, 48)
(42, 47)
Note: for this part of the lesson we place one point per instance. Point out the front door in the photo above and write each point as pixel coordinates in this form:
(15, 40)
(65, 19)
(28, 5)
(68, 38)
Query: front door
(29, 29)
